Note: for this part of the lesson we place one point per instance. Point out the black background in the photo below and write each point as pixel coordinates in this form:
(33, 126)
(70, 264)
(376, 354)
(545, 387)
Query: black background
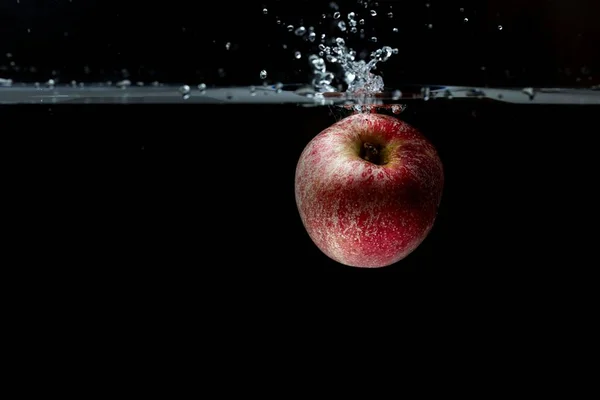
(542, 42)
(176, 193)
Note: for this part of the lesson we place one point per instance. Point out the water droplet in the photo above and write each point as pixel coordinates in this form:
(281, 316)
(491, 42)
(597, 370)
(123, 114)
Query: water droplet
(124, 83)
(426, 92)
(396, 94)
(529, 91)
(227, 45)
(397, 108)
(263, 74)
(390, 15)
(499, 27)
(297, 55)
(336, 15)
(373, 13)
(300, 31)
(265, 11)
(317, 63)
(185, 89)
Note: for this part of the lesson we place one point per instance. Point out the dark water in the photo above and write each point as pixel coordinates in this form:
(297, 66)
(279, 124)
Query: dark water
(185, 192)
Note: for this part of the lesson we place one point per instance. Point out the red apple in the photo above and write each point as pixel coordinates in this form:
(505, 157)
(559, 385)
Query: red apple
(368, 189)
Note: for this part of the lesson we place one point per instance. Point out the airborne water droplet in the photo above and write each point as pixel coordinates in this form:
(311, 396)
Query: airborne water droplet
(300, 31)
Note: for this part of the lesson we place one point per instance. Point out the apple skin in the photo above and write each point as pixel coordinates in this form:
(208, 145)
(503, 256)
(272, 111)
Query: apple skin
(363, 214)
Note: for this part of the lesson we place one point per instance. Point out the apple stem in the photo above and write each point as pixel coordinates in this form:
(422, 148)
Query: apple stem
(370, 153)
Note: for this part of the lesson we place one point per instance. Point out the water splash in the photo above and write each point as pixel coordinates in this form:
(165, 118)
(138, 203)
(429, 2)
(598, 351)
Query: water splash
(338, 68)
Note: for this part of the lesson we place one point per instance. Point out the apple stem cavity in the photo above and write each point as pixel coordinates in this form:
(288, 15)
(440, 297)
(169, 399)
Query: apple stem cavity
(371, 153)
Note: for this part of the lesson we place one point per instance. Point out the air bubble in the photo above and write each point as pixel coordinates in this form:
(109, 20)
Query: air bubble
(227, 45)
(373, 13)
(396, 94)
(202, 87)
(336, 15)
(263, 74)
(265, 11)
(340, 42)
(390, 15)
(351, 16)
(312, 36)
(342, 26)
(297, 55)
(395, 30)
(290, 28)
(500, 27)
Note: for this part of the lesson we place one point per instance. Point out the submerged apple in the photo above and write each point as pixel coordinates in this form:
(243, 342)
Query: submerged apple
(368, 189)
